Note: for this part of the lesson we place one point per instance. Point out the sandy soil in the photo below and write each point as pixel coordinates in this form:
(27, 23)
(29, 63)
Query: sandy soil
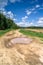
(20, 54)
(36, 30)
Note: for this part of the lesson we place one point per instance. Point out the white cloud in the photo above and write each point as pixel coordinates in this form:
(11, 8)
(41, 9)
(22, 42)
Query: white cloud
(2, 9)
(26, 24)
(14, 19)
(24, 18)
(32, 10)
(4, 12)
(40, 21)
(37, 6)
(3, 3)
(28, 12)
(9, 14)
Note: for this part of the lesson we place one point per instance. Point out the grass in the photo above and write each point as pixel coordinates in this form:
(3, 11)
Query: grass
(32, 33)
(2, 32)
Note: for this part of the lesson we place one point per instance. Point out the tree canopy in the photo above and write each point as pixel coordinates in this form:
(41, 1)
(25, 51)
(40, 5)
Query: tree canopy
(6, 23)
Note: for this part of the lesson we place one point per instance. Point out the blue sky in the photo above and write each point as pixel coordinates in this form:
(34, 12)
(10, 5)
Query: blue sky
(23, 12)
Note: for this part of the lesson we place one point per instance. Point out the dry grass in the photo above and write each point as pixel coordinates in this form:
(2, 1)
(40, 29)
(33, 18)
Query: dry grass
(36, 30)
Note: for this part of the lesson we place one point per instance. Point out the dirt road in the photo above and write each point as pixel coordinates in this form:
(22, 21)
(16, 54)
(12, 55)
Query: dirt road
(20, 54)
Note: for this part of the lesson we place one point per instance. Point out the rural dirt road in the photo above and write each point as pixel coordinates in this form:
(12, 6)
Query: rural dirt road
(20, 54)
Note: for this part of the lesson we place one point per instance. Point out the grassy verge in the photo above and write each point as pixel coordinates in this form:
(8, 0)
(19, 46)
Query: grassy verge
(2, 32)
(31, 33)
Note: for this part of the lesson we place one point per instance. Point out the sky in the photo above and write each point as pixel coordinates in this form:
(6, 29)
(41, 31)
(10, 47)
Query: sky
(23, 12)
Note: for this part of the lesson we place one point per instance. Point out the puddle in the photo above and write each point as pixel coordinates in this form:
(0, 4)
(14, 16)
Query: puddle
(21, 40)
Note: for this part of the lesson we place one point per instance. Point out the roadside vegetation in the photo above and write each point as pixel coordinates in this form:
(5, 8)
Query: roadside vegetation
(2, 32)
(31, 33)
(6, 24)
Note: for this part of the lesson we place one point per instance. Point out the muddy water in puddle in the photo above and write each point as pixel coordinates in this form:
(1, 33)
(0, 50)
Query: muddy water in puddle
(21, 40)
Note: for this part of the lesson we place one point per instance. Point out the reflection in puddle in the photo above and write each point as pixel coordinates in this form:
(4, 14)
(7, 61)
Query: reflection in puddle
(21, 40)
(18, 40)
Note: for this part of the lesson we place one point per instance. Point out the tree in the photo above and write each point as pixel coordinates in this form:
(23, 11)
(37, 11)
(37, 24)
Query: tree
(6, 23)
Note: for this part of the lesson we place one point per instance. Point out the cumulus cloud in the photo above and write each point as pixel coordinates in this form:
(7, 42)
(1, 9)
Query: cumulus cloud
(40, 21)
(24, 18)
(28, 12)
(9, 14)
(14, 19)
(26, 24)
(3, 3)
(37, 6)
(32, 10)
(23, 21)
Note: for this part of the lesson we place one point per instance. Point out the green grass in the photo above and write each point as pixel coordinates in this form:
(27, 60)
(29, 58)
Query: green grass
(31, 33)
(2, 32)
